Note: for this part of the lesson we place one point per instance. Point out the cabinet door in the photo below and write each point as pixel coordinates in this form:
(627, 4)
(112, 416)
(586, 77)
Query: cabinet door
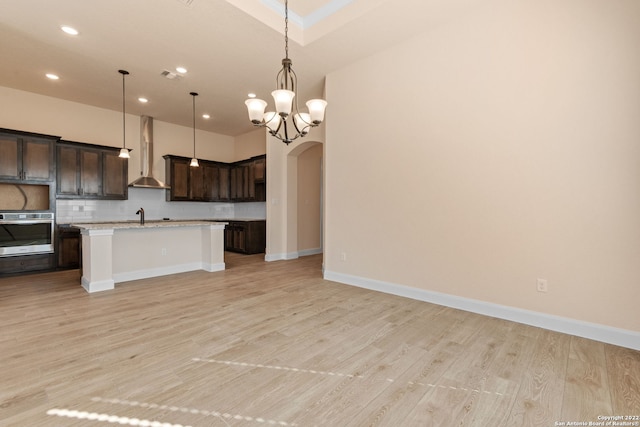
(10, 155)
(239, 236)
(69, 247)
(179, 179)
(223, 182)
(196, 181)
(68, 177)
(251, 182)
(37, 160)
(233, 186)
(247, 182)
(26, 159)
(259, 167)
(115, 173)
(90, 173)
(238, 181)
(255, 237)
(210, 182)
(228, 236)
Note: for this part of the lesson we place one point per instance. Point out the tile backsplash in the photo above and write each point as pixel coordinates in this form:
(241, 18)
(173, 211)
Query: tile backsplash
(155, 207)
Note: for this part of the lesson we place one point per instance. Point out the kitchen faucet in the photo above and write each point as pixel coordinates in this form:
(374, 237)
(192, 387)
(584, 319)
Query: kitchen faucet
(141, 213)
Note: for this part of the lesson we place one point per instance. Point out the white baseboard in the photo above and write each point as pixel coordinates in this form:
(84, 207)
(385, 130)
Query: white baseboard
(594, 331)
(155, 272)
(281, 256)
(307, 252)
(96, 286)
(213, 267)
(292, 255)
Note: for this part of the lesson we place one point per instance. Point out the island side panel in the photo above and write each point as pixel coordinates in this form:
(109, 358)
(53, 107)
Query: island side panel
(155, 251)
(97, 265)
(213, 248)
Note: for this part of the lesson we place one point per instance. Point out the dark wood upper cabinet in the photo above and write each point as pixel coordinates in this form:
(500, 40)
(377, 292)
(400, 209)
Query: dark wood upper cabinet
(68, 164)
(248, 180)
(27, 157)
(224, 172)
(88, 171)
(177, 175)
(115, 175)
(210, 182)
(196, 183)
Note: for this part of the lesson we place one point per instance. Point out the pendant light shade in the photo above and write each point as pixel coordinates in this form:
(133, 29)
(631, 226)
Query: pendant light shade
(194, 162)
(124, 153)
(256, 109)
(284, 100)
(316, 110)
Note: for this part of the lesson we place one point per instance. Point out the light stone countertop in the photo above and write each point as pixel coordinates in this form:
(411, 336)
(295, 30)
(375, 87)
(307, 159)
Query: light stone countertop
(147, 224)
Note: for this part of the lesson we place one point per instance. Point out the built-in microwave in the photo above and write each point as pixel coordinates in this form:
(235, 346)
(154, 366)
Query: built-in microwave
(24, 233)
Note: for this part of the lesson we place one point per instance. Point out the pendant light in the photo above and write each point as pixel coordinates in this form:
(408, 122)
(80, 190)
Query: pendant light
(284, 96)
(124, 153)
(194, 161)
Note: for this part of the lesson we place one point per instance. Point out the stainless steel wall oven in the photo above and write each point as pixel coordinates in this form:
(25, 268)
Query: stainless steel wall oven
(24, 233)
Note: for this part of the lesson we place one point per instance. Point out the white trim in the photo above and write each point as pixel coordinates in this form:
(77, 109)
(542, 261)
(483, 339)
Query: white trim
(292, 255)
(607, 334)
(307, 252)
(213, 267)
(155, 272)
(281, 256)
(97, 286)
(97, 231)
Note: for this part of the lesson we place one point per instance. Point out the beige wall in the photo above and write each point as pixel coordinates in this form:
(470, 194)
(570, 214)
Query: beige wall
(282, 193)
(83, 123)
(308, 198)
(491, 151)
(250, 144)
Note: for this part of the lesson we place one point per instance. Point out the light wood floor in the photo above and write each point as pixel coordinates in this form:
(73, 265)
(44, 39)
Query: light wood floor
(274, 344)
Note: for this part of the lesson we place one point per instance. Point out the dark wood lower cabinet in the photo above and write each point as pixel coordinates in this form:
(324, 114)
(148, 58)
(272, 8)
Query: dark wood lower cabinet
(69, 247)
(27, 263)
(247, 237)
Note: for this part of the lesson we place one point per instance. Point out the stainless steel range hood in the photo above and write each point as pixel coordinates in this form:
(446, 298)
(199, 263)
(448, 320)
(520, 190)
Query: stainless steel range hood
(146, 179)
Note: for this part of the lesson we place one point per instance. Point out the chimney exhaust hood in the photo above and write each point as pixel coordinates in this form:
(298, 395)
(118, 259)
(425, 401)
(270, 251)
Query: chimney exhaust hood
(146, 179)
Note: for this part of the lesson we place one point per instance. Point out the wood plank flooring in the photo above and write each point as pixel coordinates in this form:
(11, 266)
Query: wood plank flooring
(273, 343)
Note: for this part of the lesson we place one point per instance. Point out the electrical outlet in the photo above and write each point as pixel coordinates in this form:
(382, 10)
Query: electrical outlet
(343, 256)
(164, 251)
(542, 285)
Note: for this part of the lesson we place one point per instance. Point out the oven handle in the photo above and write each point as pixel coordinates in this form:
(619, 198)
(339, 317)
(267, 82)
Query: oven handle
(28, 221)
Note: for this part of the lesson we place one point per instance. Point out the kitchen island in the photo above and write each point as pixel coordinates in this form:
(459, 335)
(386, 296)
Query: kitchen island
(115, 252)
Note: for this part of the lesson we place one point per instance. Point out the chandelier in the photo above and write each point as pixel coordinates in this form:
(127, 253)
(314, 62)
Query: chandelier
(286, 82)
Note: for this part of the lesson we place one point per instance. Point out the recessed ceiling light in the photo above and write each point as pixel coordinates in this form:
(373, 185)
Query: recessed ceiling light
(143, 100)
(69, 30)
(206, 116)
(251, 95)
(181, 70)
(52, 76)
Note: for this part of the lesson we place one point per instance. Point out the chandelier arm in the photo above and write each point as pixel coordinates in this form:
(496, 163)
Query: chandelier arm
(286, 132)
(279, 78)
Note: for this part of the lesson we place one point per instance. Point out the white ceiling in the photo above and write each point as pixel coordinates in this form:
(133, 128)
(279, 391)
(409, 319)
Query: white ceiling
(230, 48)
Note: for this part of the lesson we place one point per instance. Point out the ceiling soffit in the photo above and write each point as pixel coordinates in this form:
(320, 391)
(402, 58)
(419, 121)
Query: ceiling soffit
(309, 20)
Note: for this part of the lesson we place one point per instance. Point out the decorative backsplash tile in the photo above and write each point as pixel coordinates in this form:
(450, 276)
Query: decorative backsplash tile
(155, 207)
